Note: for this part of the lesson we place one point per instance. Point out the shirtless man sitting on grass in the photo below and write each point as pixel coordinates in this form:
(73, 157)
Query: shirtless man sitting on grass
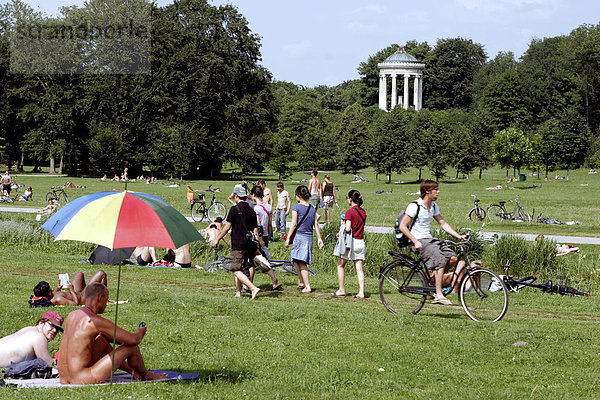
(85, 355)
(43, 294)
(32, 341)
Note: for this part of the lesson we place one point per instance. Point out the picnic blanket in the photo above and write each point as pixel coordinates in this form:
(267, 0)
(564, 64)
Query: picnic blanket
(120, 378)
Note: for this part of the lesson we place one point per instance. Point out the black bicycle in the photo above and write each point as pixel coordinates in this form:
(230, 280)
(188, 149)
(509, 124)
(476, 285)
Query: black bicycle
(498, 212)
(405, 285)
(477, 212)
(515, 285)
(57, 193)
(215, 209)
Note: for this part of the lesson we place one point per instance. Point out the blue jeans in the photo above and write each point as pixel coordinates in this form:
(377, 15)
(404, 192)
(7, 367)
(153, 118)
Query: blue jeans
(280, 220)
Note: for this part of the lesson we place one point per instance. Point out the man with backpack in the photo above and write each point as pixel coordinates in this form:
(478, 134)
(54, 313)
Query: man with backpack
(415, 226)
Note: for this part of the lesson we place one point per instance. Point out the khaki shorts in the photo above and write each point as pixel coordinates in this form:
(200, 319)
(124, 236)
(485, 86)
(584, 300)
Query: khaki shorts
(238, 257)
(435, 253)
(314, 200)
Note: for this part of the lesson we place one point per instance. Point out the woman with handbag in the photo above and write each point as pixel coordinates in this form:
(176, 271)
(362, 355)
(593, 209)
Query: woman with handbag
(355, 219)
(301, 236)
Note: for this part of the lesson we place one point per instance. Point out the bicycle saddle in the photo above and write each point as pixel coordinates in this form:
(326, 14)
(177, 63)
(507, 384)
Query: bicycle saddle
(502, 203)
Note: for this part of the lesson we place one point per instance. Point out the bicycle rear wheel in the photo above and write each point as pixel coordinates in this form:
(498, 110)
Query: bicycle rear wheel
(51, 196)
(288, 266)
(483, 295)
(495, 213)
(198, 211)
(214, 266)
(402, 289)
(477, 213)
(217, 210)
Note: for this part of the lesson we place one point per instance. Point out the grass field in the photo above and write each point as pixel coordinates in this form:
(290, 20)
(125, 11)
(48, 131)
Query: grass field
(286, 345)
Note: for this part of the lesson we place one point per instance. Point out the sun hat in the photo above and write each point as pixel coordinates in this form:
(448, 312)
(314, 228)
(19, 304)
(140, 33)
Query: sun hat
(240, 190)
(55, 319)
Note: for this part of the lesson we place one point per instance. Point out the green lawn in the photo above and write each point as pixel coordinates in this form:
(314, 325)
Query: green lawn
(286, 345)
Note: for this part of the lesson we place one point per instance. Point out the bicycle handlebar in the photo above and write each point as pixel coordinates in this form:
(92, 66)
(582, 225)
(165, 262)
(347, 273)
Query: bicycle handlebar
(461, 243)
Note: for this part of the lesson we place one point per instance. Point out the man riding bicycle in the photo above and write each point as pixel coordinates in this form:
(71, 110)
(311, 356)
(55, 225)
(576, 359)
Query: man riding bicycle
(437, 256)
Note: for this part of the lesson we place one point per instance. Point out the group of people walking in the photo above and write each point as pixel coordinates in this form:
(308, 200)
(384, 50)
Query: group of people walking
(249, 222)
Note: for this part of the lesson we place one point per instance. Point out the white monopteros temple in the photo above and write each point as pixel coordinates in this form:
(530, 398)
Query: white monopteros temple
(401, 64)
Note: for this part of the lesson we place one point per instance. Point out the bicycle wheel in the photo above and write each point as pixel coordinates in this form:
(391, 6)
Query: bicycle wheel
(289, 267)
(51, 196)
(477, 213)
(495, 213)
(483, 295)
(402, 290)
(524, 215)
(198, 211)
(63, 195)
(217, 210)
(214, 266)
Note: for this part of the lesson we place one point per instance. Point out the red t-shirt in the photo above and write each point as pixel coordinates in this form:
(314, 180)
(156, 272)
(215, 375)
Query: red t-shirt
(357, 216)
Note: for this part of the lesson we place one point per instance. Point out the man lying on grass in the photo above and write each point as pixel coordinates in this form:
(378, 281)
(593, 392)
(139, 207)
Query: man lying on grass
(32, 341)
(44, 296)
(85, 355)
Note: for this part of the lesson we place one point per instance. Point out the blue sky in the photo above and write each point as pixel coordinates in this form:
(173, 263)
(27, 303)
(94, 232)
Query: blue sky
(312, 42)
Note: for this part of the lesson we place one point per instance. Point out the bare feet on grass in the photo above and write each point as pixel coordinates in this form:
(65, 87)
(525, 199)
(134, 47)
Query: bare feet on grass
(152, 376)
(255, 292)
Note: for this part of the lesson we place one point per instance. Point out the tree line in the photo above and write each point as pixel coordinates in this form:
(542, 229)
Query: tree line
(206, 101)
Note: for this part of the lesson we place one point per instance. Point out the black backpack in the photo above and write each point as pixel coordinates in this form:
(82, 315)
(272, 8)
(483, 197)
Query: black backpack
(401, 239)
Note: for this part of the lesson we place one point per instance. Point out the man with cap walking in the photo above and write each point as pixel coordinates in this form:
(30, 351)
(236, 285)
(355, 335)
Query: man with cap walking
(241, 220)
(32, 341)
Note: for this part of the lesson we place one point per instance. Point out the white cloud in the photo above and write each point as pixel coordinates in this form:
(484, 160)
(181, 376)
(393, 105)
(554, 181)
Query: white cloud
(296, 50)
(359, 27)
(374, 8)
(488, 6)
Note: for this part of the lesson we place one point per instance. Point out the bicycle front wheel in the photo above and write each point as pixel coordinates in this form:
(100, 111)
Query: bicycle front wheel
(483, 295)
(495, 213)
(402, 290)
(197, 212)
(289, 267)
(524, 215)
(214, 266)
(63, 196)
(217, 210)
(477, 213)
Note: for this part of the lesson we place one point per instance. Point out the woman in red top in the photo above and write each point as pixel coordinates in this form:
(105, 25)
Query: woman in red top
(355, 219)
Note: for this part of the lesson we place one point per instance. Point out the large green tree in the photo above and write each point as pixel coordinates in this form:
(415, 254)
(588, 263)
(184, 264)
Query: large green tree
(512, 148)
(353, 136)
(451, 69)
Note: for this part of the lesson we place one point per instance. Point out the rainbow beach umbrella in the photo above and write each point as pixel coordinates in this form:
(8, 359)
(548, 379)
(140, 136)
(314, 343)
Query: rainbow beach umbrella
(122, 219)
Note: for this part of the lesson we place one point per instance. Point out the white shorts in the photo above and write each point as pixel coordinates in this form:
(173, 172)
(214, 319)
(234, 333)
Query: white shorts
(358, 250)
(328, 200)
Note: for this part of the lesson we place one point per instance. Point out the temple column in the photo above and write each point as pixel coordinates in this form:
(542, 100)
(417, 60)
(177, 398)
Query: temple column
(405, 99)
(383, 92)
(416, 92)
(420, 91)
(394, 92)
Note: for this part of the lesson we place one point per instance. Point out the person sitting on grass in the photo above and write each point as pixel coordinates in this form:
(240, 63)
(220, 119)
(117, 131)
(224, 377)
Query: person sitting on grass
(27, 195)
(86, 356)
(32, 341)
(43, 296)
(438, 257)
(145, 255)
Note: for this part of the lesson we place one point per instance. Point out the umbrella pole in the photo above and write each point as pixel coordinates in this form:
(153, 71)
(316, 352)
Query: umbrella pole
(112, 370)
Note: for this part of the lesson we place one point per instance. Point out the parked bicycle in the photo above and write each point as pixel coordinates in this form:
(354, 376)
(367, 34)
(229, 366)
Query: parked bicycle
(57, 193)
(405, 285)
(498, 212)
(215, 209)
(515, 285)
(477, 212)
(224, 263)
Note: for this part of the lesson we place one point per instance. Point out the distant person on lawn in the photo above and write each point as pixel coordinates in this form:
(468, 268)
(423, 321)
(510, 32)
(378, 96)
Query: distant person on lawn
(437, 256)
(32, 341)
(44, 296)
(85, 355)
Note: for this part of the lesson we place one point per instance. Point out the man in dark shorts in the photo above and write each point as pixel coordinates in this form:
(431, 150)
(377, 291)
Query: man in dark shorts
(240, 220)
(145, 255)
(437, 256)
